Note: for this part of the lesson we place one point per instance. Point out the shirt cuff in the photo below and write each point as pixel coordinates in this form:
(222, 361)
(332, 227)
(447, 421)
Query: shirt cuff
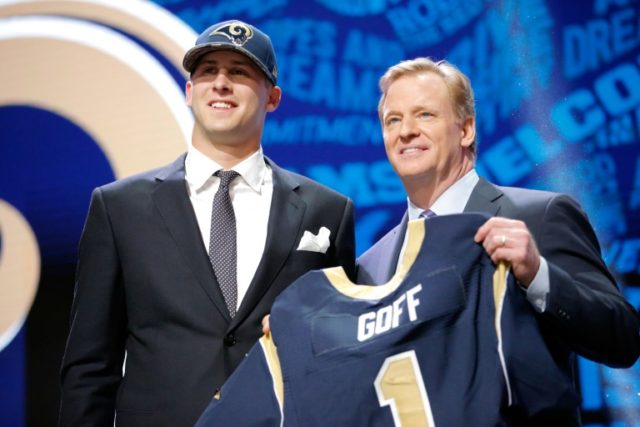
(538, 290)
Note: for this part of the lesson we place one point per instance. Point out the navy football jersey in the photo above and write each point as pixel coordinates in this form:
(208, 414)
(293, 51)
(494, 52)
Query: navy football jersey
(424, 349)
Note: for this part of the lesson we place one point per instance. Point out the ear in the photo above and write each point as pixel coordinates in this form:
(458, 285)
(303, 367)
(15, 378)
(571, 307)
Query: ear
(273, 98)
(188, 91)
(468, 132)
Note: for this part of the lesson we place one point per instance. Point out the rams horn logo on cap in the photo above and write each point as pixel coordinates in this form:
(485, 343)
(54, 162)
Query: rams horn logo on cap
(237, 32)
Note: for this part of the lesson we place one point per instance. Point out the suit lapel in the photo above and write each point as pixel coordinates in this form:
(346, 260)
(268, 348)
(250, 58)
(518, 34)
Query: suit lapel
(172, 201)
(485, 197)
(394, 246)
(285, 219)
(377, 265)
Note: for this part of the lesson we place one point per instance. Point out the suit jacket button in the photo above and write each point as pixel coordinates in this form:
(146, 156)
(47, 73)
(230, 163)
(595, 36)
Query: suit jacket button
(229, 340)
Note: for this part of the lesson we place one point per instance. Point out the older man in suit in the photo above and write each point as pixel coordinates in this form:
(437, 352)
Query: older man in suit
(428, 120)
(178, 265)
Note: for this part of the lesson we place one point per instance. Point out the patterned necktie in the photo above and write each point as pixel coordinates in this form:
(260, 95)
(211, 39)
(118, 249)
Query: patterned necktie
(428, 214)
(222, 241)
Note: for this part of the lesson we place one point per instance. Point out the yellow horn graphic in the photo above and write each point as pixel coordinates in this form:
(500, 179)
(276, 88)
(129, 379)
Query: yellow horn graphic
(19, 271)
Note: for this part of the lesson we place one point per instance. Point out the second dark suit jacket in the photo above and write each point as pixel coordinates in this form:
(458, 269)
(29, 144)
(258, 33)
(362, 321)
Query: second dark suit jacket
(585, 314)
(145, 285)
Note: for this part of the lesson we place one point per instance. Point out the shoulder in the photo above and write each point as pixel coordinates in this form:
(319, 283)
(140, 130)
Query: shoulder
(540, 208)
(523, 195)
(536, 200)
(144, 180)
(136, 190)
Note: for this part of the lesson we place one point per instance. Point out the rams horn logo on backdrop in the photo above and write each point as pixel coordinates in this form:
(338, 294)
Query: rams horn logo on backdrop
(85, 42)
(237, 32)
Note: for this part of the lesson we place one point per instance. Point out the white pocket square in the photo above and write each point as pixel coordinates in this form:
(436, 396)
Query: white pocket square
(315, 242)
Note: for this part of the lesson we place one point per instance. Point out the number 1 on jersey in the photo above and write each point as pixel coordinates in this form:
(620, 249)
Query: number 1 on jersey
(399, 385)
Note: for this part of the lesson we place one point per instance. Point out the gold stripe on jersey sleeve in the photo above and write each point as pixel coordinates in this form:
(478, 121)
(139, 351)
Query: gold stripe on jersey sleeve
(499, 287)
(499, 294)
(273, 361)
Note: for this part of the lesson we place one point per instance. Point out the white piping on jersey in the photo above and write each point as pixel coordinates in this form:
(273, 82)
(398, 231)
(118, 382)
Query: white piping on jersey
(500, 277)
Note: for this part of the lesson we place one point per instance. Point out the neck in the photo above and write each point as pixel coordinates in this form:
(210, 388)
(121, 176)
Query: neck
(424, 191)
(227, 154)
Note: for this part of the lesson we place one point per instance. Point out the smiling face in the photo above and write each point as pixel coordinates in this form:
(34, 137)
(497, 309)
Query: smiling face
(427, 144)
(229, 97)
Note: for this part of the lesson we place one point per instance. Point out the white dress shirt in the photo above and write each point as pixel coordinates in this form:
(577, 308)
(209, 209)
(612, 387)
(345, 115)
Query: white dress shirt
(251, 198)
(453, 201)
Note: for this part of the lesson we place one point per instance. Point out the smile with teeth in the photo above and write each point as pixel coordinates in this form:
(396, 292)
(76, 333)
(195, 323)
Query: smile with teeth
(221, 104)
(411, 150)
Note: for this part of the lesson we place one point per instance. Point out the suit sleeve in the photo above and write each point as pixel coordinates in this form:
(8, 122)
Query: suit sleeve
(584, 305)
(92, 363)
(345, 241)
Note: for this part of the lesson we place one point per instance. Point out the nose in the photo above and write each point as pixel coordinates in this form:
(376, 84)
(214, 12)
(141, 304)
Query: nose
(408, 129)
(221, 83)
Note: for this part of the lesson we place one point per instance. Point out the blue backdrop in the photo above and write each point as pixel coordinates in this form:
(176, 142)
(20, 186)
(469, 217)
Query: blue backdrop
(558, 108)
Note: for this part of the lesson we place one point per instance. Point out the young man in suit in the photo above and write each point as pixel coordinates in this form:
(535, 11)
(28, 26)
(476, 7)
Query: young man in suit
(177, 266)
(428, 120)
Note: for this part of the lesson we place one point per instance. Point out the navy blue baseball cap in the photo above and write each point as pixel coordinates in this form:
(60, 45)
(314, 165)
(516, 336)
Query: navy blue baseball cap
(237, 36)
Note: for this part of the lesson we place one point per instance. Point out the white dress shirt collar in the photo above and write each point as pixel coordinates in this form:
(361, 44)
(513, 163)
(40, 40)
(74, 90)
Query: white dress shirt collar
(199, 169)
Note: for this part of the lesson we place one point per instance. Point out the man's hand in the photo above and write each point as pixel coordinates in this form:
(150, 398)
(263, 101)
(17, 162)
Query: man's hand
(510, 240)
(265, 325)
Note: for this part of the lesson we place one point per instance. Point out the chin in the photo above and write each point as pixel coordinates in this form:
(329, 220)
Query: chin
(412, 174)
(411, 168)
(223, 130)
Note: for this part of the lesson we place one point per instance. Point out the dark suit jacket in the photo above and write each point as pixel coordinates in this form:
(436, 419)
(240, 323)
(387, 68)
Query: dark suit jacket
(585, 314)
(144, 284)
